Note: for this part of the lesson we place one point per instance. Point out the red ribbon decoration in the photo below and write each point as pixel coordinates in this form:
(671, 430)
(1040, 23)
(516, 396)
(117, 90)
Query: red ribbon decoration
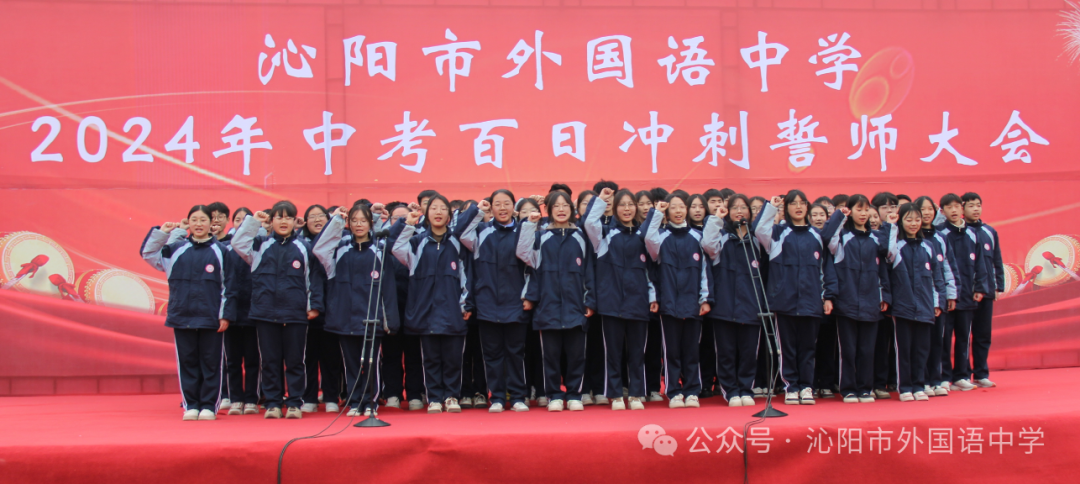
(66, 288)
(32, 267)
(1030, 276)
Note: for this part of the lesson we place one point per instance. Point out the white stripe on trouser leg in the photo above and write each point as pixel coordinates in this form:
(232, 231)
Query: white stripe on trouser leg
(584, 358)
(461, 380)
(543, 363)
(896, 346)
(349, 397)
(716, 349)
(483, 357)
(303, 358)
(644, 373)
(840, 352)
(603, 337)
(701, 383)
(757, 347)
(780, 350)
(179, 372)
(423, 362)
(663, 343)
(378, 378)
(221, 376)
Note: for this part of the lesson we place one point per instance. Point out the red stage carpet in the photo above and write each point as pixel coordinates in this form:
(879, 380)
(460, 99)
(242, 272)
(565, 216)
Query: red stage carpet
(74, 439)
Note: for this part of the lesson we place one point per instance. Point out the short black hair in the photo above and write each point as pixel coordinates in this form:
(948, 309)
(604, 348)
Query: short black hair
(644, 193)
(362, 201)
(658, 193)
(218, 207)
(242, 209)
(602, 184)
(549, 201)
(726, 193)
(823, 199)
(789, 199)
(390, 207)
(560, 187)
(949, 199)
(283, 207)
(839, 199)
(901, 196)
(200, 208)
(581, 197)
(713, 193)
(884, 198)
(684, 193)
(970, 197)
(426, 194)
(456, 204)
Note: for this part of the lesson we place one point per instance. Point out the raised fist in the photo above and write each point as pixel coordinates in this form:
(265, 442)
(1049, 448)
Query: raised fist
(844, 210)
(379, 209)
(342, 212)
(892, 218)
(777, 201)
(606, 194)
(169, 226)
(184, 224)
(721, 211)
(661, 206)
(413, 207)
(534, 217)
(484, 206)
(262, 217)
(413, 217)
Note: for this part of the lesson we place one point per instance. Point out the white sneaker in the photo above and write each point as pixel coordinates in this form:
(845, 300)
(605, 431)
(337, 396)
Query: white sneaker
(618, 404)
(587, 399)
(520, 407)
(985, 383)
(602, 400)
(928, 390)
(465, 402)
(367, 412)
(543, 401)
(759, 392)
(735, 402)
(226, 403)
(677, 402)
(479, 401)
(495, 408)
(907, 397)
(941, 391)
(806, 397)
(655, 397)
(692, 402)
(880, 394)
(309, 408)
(575, 405)
(416, 404)
(921, 397)
(452, 405)
(251, 409)
(332, 408)
(866, 398)
(851, 398)
(353, 412)
(635, 403)
(236, 408)
(747, 401)
(191, 414)
(293, 412)
(962, 385)
(394, 402)
(791, 398)
(273, 413)
(555, 405)
(207, 414)
(434, 407)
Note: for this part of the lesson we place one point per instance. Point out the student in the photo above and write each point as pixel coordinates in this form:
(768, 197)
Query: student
(501, 290)
(973, 283)
(402, 366)
(981, 319)
(594, 353)
(714, 200)
(684, 296)
(241, 341)
(902, 199)
(929, 212)
(286, 293)
(644, 203)
(609, 215)
(534, 360)
(695, 218)
(885, 204)
(625, 295)
(202, 302)
(875, 220)
(797, 284)
(826, 365)
(726, 193)
(826, 203)
(354, 268)
(438, 306)
(918, 296)
(695, 215)
(839, 200)
(734, 254)
(322, 357)
(561, 259)
(756, 203)
(219, 222)
(862, 293)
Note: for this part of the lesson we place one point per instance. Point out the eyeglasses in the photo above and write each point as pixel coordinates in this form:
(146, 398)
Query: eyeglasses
(285, 219)
(321, 216)
(797, 203)
(627, 205)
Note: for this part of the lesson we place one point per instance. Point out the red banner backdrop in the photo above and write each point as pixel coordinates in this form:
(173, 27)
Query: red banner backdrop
(117, 116)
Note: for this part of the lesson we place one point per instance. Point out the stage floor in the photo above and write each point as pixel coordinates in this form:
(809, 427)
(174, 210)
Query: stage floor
(1024, 429)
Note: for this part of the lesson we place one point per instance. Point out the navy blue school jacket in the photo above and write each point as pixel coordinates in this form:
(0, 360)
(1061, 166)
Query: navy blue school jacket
(733, 262)
(501, 280)
(798, 279)
(563, 264)
(943, 256)
(623, 288)
(685, 279)
(351, 269)
(990, 257)
(438, 282)
(286, 279)
(241, 281)
(201, 293)
(862, 272)
(968, 271)
(917, 280)
(320, 320)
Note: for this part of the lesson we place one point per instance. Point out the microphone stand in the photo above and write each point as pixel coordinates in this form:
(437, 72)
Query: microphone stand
(371, 324)
(768, 319)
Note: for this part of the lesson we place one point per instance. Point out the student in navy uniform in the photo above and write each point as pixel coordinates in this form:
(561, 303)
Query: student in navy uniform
(437, 309)
(796, 288)
(354, 267)
(201, 304)
(594, 354)
(654, 352)
(534, 359)
(625, 295)
(286, 293)
(695, 218)
(501, 283)
(560, 256)
(402, 367)
(714, 200)
(219, 223)
(862, 276)
(322, 357)
(917, 281)
(683, 294)
(474, 385)
(973, 282)
(885, 203)
(734, 256)
(981, 319)
(827, 363)
(929, 212)
(241, 340)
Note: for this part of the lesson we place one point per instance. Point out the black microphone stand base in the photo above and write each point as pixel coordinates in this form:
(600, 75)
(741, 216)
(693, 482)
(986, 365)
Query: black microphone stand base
(371, 421)
(770, 412)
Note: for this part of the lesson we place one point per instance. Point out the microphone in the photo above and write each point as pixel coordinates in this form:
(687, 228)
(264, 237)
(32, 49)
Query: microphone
(381, 234)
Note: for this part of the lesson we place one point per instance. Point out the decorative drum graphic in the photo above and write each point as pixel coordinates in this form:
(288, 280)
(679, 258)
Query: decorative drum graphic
(1059, 257)
(28, 259)
(116, 288)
